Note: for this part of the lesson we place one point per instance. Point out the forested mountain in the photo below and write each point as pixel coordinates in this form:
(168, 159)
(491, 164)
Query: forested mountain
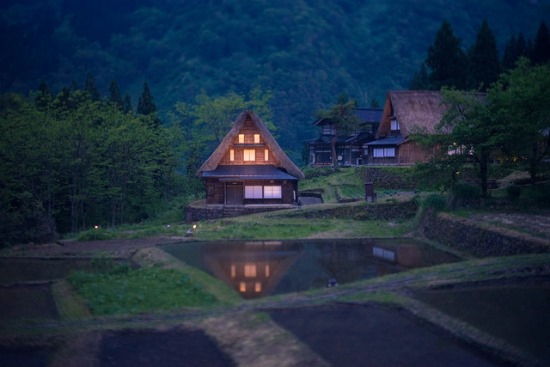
(305, 52)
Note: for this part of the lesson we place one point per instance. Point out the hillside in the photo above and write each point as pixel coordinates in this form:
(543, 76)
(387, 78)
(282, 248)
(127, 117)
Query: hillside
(305, 52)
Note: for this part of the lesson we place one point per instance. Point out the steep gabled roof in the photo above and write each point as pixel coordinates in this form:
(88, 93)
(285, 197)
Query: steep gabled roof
(214, 160)
(414, 111)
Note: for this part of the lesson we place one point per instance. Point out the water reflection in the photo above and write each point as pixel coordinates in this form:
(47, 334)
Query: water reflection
(256, 269)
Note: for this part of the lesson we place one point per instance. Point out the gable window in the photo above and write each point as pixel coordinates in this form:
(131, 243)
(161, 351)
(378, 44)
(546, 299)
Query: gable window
(252, 192)
(266, 155)
(328, 129)
(250, 270)
(231, 155)
(256, 138)
(383, 152)
(241, 138)
(249, 155)
(394, 125)
(272, 192)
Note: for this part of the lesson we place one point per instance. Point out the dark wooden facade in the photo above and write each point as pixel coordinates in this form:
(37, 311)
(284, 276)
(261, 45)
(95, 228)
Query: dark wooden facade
(351, 148)
(250, 168)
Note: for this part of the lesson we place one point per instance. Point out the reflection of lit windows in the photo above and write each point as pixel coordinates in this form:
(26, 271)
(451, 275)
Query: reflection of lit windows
(249, 155)
(258, 287)
(272, 192)
(267, 271)
(241, 138)
(242, 287)
(256, 138)
(233, 271)
(250, 270)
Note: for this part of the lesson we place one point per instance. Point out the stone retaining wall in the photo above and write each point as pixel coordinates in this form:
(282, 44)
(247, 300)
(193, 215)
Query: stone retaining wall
(389, 178)
(479, 240)
(362, 211)
(195, 214)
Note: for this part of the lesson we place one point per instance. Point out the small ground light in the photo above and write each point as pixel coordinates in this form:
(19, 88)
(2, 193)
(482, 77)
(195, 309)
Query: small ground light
(96, 226)
(194, 226)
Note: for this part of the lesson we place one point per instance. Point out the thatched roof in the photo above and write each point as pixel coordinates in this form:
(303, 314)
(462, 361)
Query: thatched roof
(414, 110)
(285, 163)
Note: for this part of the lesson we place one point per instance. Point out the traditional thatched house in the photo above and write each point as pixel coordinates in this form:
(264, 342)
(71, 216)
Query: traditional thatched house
(250, 168)
(405, 112)
(351, 147)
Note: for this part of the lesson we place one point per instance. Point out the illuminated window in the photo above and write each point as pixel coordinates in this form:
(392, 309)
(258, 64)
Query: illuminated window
(383, 152)
(249, 155)
(241, 138)
(272, 192)
(394, 125)
(250, 270)
(242, 287)
(252, 192)
(256, 138)
(266, 155)
(231, 155)
(258, 287)
(267, 271)
(233, 271)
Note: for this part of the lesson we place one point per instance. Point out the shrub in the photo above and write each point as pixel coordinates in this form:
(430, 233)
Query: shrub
(94, 234)
(513, 192)
(465, 190)
(436, 202)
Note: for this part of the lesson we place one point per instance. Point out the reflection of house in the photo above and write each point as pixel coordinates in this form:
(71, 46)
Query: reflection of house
(351, 148)
(405, 112)
(253, 269)
(249, 167)
(409, 256)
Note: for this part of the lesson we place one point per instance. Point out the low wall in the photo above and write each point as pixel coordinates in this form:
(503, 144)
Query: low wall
(195, 213)
(396, 178)
(479, 240)
(362, 211)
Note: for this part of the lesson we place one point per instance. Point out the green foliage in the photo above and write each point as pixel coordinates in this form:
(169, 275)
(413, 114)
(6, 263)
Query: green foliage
(139, 290)
(466, 190)
(436, 202)
(94, 234)
(72, 162)
(513, 192)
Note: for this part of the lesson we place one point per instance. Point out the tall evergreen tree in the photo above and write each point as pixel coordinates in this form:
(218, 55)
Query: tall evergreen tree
(516, 48)
(146, 105)
(127, 103)
(44, 97)
(446, 60)
(420, 80)
(541, 46)
(90, 88)
(114, 94)
(484, 65)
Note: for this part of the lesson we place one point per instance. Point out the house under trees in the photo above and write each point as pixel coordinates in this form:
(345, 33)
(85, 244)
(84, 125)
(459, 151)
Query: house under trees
(385, 134)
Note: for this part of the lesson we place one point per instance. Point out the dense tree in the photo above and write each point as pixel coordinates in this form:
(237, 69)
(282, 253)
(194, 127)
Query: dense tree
(78, 163)
(114, 94)
(446, 60)
(146, 105)
(541, 46)
(43, 98)
(484, 63)
(516, 48)
(342, 115)
(522, 103)
(420, 80)
(90, 88)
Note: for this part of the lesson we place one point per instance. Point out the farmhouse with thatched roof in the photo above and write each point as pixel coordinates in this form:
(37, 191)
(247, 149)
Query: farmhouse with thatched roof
(249, 168)
(405, 112)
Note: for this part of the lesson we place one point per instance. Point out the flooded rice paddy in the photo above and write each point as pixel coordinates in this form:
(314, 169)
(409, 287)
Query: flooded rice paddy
(263, 268)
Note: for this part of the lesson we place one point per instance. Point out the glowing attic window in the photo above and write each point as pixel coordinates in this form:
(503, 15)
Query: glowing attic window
(241, 138)
(256, 138)
(394, 125)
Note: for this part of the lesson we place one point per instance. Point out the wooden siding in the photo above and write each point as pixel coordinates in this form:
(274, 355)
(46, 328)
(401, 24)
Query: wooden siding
(408, 153)
(216, 191)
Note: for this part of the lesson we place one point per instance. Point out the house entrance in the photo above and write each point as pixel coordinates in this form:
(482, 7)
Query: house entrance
(234, 194)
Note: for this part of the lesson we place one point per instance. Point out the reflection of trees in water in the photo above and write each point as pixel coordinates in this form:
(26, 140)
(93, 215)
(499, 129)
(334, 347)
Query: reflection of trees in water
(342, 262)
